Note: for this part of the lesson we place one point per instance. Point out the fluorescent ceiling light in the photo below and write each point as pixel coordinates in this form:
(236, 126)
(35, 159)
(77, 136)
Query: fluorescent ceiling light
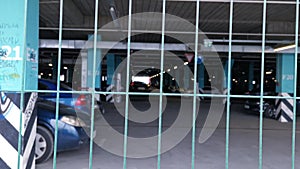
(284, 47)
(268, 73)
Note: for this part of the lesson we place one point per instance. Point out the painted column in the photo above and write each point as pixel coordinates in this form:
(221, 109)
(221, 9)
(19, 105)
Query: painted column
(18, 48)
(113, 62)
(201, 75)
(187, 78)
(177, 78)
(226, 73)
(111, 65)
(166, 80)
(90, 62)
(54, 62)
(113, 80)
(251, 76)
(285, 86)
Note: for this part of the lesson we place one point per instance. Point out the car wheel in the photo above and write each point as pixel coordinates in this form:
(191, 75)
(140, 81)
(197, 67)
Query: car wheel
(43, 144)
(269, 111)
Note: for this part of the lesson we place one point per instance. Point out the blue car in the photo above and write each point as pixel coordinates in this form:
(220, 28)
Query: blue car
(73, 129)
(73, 121)
(78, 101)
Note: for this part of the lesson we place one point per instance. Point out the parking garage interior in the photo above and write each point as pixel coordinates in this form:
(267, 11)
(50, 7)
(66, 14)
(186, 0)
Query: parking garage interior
(238, 49)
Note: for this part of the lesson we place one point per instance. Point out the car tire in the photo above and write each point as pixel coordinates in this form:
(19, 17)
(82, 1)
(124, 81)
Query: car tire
(43, 144)
(269, 111)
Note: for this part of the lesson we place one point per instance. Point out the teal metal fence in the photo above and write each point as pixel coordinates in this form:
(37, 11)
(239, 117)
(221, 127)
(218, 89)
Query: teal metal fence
(160, 94)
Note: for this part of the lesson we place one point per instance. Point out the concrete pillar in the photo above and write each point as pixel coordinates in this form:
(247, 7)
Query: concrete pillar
(226, 73)
(112, 62)
(285, 65)
(18, 45)
(187, 78)
(114, 81)
(201, 75)
(111, 65)
(251, 76)
(89, 64)
(54, 67)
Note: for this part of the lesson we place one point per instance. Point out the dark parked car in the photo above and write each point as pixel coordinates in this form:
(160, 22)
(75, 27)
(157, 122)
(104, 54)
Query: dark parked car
(269, 109)
(73, 127)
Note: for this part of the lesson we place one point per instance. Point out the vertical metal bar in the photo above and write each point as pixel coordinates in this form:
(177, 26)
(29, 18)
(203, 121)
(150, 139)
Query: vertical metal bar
(161, 83)
(93, 86)
(228, 86)
(22, 85)
(127, 86)
(58, 81)
(195, 87)
(295, 84)
(260, 165)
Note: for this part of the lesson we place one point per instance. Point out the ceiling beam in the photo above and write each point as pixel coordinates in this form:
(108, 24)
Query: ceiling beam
(80, 44)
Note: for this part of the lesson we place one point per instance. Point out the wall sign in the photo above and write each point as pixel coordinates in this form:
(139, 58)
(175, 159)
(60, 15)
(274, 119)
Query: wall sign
(18, 46)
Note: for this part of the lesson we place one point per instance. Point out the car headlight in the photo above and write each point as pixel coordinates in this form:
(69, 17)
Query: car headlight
(74, 121)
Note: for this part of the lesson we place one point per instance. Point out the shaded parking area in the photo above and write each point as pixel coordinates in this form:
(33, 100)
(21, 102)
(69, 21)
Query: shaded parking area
(243, 141)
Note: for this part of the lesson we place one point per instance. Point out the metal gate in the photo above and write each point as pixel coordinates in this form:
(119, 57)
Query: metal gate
(187, 83)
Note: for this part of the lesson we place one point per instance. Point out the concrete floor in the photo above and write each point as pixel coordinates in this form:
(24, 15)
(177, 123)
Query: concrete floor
(243, 145)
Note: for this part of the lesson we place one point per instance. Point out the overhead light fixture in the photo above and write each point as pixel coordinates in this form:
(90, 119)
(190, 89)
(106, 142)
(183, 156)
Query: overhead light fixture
(268, 73)
(50, 64)
(186, 63)
(65, 67)
(207, 43)
(42, 74)
(284, 47)
(169, 70)
(175, 67)
(113, 13)
(112, 9)
(62, 78)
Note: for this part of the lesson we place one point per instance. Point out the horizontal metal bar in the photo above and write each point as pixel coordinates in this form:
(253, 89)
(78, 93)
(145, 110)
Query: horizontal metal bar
(80, 44)
(167, 32)
(49, 2)
(238, 1)
(164, 94)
